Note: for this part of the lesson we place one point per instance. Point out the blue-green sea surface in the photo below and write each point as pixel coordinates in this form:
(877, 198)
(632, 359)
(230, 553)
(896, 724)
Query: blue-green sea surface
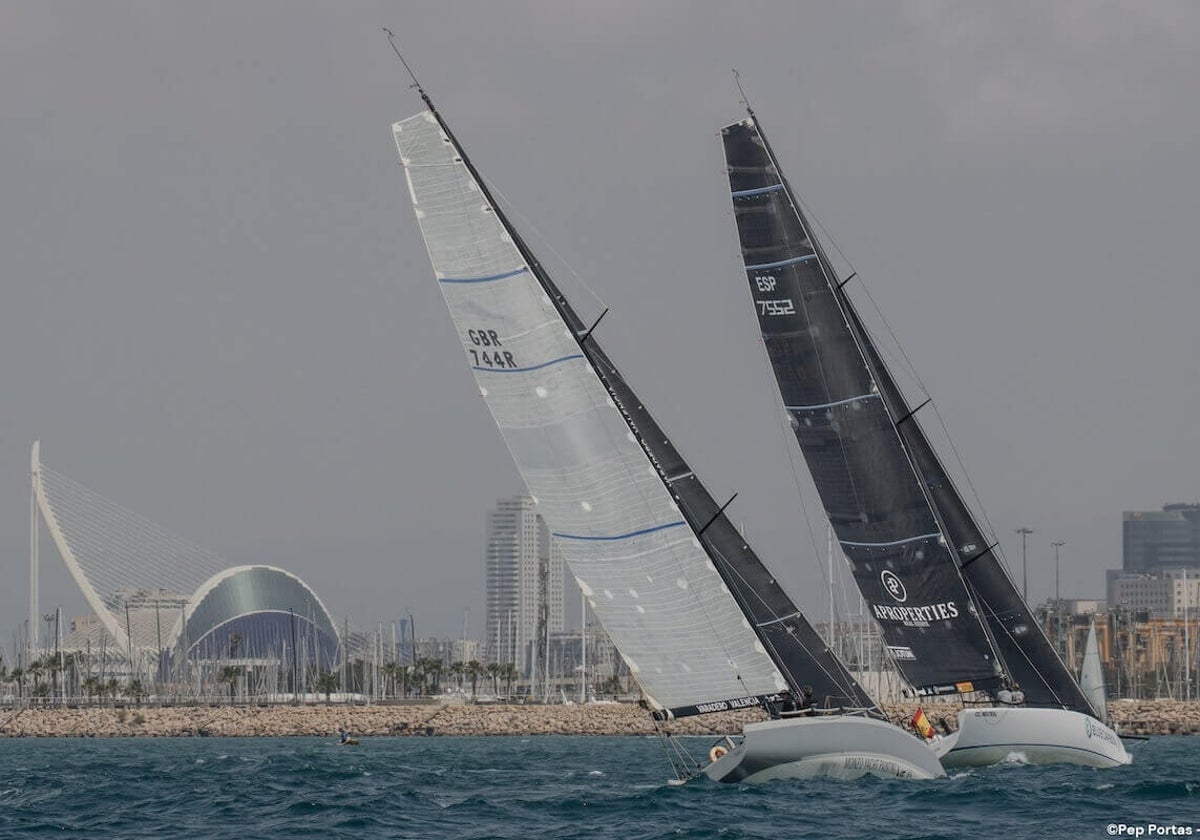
(560, 787)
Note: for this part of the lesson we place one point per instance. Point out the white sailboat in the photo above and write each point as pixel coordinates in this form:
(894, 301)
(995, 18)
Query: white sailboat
(699, 620)
(1041, 736)
(952, 620)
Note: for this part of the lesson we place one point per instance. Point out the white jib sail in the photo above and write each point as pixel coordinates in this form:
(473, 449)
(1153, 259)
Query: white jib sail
(1091, 675)
(643, 572)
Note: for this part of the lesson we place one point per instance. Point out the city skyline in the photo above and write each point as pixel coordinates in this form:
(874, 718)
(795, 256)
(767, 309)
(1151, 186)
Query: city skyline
(219, 313)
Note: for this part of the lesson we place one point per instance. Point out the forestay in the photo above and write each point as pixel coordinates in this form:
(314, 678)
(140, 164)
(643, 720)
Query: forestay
(872, 495)
(635, 555)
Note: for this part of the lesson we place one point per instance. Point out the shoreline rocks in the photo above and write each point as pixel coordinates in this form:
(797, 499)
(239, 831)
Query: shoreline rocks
(423, 719)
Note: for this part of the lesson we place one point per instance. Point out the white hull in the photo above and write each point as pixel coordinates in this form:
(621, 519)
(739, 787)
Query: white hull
(1031, 736)
(831, 747)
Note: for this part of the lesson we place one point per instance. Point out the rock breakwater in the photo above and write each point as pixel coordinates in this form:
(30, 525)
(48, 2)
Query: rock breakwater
(1150, 717)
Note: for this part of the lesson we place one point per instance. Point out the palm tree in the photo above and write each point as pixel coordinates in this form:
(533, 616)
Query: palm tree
(35, 672)
(327, 683)
(493, 670)
(457, 669)
(92, 687)
(395, 673)
(229, 674)
(18, 676)
(509, 674)
(51, 666)
(135, 690)
(112, 688)
(431, 672)
(474, 670)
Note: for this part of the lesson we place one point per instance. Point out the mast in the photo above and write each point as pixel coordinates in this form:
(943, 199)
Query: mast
(582, 648)
(789, 640)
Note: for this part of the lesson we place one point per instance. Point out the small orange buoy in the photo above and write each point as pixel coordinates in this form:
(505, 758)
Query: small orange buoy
(716, 752)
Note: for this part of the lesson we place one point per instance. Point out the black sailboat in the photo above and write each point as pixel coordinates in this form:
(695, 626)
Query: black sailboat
(702, 622)
(952, 619)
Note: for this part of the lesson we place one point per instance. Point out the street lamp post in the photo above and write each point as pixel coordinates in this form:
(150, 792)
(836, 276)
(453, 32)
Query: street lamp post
(1057, 545)
(1057, 598)
(1024, 532)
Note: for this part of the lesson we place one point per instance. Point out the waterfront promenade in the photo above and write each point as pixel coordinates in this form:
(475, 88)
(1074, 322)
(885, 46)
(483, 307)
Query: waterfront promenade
(1146, 717)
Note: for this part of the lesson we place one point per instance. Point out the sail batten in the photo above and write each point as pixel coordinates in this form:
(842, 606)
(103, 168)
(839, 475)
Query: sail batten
(921, 538)
(491, 278)
(781, 263)
(679, 604)
(615, 537)
(834, 404)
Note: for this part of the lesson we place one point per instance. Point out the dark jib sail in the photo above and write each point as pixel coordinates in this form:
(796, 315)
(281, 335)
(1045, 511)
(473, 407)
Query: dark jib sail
(1022, 647)
(883, 519)
(790, 641)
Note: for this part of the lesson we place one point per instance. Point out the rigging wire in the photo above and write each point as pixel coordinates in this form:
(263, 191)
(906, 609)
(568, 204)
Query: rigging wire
(896, 352)
(978, 512)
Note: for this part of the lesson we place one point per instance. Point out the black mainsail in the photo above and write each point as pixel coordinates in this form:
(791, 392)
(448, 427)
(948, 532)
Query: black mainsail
(902, 524)
(635, 542)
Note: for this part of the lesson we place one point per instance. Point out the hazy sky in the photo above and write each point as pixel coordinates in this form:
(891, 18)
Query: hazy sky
(218, 312)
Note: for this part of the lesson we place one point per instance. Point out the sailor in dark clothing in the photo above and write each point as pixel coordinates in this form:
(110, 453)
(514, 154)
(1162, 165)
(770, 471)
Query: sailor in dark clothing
(806, 698)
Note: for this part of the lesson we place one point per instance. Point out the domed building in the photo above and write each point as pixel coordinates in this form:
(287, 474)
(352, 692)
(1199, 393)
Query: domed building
(258, 613)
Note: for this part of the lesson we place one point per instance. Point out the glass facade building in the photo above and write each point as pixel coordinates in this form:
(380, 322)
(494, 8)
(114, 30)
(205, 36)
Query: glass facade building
(1159, 541)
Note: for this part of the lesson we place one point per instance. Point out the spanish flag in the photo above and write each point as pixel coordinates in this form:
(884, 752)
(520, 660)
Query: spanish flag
(921, 723)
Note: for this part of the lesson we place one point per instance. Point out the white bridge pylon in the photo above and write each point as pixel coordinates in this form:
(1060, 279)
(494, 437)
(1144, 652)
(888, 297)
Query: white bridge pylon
(113, 555)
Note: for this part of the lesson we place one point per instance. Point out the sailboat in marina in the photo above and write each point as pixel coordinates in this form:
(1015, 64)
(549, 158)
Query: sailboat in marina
(701, 622)
(952, 620)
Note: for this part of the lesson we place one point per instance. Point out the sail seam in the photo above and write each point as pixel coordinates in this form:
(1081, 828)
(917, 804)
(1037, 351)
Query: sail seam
(897, 542)
(488, 279)
(631, 534)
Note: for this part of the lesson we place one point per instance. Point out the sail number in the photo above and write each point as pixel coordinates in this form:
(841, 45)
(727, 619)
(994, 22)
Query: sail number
(780, 306)
(776, 307)
(486, 355)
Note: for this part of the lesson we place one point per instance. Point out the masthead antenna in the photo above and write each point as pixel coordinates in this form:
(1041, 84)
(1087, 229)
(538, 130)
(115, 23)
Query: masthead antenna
(411, 74)
(737, 80)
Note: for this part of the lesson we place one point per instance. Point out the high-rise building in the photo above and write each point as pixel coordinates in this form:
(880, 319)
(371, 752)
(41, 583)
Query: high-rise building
(1160, 548)
(1155, 541)
(519, 552)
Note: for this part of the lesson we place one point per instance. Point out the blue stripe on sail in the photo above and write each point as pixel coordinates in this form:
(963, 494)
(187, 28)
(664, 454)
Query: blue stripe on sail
(487, 279)
(829, 404)
(758, 191)
(781, 263)
(621, 536)
(888, 544)
(531, 367)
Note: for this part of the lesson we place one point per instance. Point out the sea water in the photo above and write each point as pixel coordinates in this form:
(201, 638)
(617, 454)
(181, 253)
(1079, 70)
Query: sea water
(551, 786)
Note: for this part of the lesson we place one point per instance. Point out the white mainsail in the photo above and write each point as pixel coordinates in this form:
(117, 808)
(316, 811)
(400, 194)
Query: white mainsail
(644, 573)
(1091, 675)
